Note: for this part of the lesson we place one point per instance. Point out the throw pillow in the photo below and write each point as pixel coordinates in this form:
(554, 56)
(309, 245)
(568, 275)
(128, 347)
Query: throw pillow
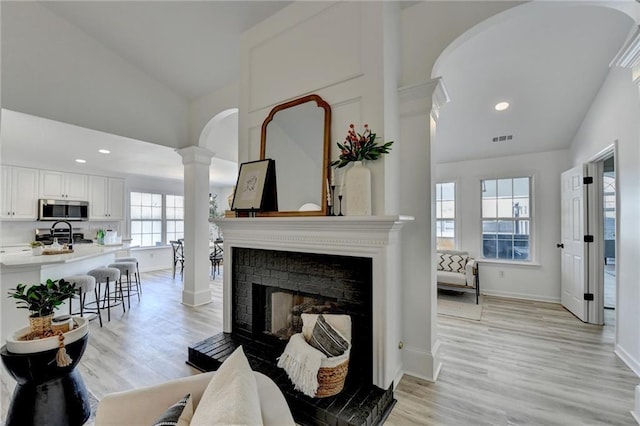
(179, 414)
(451, 262)
(327, 340)
(231, 397)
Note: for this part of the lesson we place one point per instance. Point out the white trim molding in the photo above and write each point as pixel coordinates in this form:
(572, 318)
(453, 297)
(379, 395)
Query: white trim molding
(629, 54)
(375, 237)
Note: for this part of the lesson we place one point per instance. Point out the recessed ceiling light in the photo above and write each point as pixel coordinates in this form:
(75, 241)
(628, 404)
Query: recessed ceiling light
(501, 106)
(80, 160)
(104, 151)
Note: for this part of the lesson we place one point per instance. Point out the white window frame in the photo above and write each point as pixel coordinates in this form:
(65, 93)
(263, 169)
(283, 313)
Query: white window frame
(163, 220)
(533, 237)
(456, 211)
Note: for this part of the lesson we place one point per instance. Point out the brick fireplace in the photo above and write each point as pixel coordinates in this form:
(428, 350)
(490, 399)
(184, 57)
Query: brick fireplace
(278, 267)
(371, 237)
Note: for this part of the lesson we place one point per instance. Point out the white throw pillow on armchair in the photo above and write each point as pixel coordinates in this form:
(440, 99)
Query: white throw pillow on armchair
(231, 398)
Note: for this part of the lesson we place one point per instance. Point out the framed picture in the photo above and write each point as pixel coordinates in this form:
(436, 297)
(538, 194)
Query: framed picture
(256, 187)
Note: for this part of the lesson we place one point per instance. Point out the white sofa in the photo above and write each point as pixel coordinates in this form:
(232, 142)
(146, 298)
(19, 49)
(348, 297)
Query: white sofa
(143, 406)
(456, 270)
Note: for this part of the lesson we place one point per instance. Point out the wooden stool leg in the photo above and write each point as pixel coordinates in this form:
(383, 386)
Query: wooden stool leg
(95, 290)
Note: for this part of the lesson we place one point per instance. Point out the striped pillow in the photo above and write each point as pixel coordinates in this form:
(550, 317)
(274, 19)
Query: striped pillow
(327, 340)
(178, 414)
(451, 262)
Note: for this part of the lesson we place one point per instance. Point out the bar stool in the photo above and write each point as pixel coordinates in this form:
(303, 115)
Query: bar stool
(84, 284)
(126, 269)
(108, 275)
(136, 274)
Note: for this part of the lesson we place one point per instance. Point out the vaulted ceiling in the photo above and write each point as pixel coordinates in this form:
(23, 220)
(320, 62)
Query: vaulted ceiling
(548, 62)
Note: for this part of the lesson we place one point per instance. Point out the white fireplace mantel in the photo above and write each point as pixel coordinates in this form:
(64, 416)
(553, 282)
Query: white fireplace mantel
(375, 237)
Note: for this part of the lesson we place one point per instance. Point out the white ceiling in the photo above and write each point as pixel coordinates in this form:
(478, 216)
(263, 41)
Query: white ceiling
(192, 47)
(547, 62)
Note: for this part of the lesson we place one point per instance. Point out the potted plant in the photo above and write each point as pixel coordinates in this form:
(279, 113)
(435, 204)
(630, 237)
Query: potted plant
(36, 247)
(41, 300)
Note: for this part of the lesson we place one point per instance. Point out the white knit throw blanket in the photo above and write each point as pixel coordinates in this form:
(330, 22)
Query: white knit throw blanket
(301, 361)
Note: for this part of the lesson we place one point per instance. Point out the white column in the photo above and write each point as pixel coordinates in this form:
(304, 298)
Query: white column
(419, 106)
(196, 161)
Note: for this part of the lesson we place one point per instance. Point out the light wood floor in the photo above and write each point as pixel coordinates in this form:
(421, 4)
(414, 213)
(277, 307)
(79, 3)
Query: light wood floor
(523, 363)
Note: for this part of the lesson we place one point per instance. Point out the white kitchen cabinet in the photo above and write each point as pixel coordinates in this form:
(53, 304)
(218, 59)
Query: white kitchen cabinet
(19, 193)
(61, 185)
(106, 200)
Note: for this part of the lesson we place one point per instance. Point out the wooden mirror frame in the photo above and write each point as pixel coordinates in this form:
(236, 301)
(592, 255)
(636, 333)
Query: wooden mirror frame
(321, 103)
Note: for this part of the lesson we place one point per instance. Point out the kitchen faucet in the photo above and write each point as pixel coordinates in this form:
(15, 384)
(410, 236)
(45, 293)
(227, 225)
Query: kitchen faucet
(53, 228)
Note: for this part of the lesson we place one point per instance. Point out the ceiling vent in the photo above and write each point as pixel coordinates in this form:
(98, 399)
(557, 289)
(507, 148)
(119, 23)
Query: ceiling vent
(502, 138)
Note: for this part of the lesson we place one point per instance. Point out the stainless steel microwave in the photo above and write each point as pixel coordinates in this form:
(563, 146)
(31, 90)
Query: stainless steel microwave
(63, 210)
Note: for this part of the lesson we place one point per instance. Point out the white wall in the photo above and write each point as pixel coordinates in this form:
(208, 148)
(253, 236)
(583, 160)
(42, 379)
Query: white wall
(613, 116)
(541, 279)
(61, 73)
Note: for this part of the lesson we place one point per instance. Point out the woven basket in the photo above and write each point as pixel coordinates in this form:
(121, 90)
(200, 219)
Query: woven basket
(331, 380)
(39, 325)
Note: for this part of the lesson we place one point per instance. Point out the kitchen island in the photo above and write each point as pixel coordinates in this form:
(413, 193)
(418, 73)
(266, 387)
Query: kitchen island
(23, 267)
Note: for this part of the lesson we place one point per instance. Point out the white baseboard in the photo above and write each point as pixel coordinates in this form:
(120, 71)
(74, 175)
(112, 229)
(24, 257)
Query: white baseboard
(632, 363)
(523, 296)
(421, 364)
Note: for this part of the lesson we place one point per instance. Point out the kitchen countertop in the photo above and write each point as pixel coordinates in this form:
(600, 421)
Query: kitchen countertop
(80, 252)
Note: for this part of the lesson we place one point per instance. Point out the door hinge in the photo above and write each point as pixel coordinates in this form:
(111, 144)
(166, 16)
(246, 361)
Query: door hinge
(587, 180)
(588, 297)
(588, 238)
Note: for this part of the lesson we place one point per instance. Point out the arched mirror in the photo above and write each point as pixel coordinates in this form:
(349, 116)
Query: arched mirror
(296, 135)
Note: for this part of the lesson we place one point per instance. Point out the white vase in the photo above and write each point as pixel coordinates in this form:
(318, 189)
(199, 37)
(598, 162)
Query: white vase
(358, 183)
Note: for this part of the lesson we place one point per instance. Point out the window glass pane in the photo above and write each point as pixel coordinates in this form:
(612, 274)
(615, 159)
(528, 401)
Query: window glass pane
(179, 213)
(135, 198)
(505, 248)
(146, 240)
(489, 247)
(448, 191)
(521, 207)
(180, 227)
(521, 227)
(146, 227)
(505, 207)
(136, 228)
(489, 226)
(146, 212)
(156, 212)
(505, 227)
(505, 188)
(448, 228)
(145, 199)
(521, 187)
(489, 208)
(488, 188)
(448, 209)
(136, 240)
(136, 212)
(171, 213)
(521, 247)
(438, 209)
(171, 226)
(157, 239)
(156, 200)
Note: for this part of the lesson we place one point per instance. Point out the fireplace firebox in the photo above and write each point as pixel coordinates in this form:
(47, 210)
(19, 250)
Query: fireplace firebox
(271, 289)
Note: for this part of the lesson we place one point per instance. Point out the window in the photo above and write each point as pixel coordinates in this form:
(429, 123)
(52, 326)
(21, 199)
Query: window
(175, 217)
(506, 218)
(149, 218)
(446, 216)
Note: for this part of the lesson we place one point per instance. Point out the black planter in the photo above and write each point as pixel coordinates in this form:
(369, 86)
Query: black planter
(47, 394)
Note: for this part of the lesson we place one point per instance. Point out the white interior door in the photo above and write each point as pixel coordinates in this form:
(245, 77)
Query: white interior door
(574, 275)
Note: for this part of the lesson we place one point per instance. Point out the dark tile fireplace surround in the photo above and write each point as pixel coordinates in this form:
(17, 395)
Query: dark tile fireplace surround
(309, 282)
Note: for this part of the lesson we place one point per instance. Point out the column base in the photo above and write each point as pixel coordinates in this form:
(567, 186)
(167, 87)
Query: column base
(421, 364)
(197, 298)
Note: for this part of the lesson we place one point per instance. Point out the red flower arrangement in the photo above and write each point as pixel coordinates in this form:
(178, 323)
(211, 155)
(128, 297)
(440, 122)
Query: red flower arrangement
(358, 147)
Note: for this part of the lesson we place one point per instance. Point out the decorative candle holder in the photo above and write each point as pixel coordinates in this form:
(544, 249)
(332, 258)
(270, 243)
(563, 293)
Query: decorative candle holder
(340, 205)
(333, 210)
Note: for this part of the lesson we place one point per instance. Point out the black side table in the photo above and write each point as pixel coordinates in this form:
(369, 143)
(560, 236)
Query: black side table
(47, 394)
